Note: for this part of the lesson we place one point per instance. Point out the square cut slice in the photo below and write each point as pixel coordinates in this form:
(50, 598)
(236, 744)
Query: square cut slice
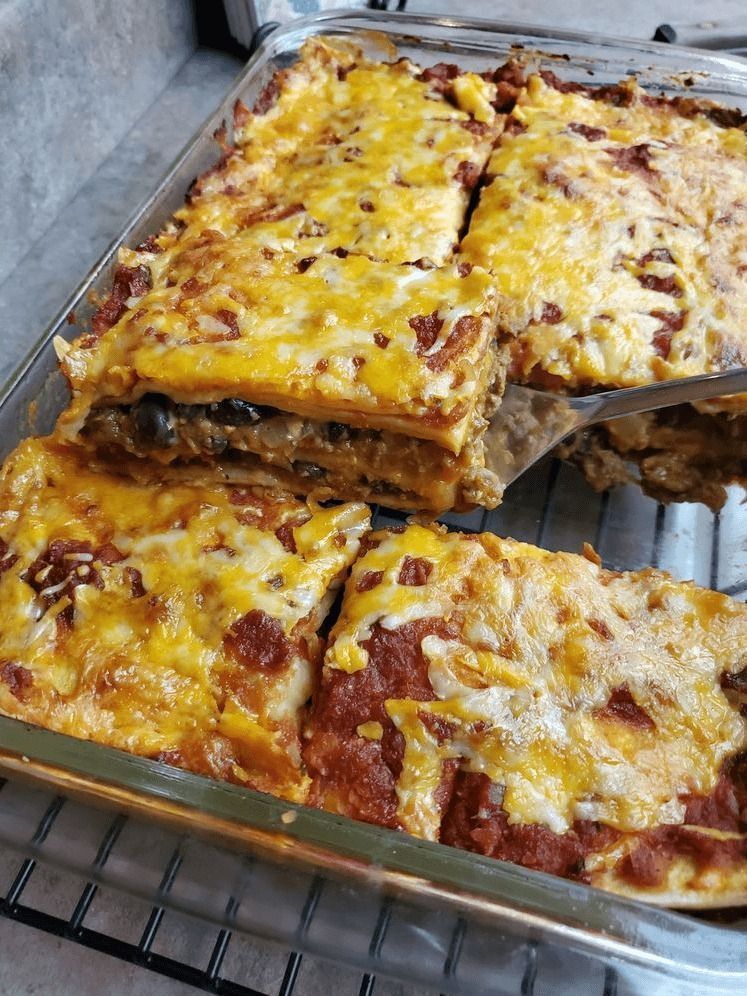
(613, 223)
(357, 378)
(173, 620)
(614, 229)
(534, 707)
(377, 158)
(272, 328)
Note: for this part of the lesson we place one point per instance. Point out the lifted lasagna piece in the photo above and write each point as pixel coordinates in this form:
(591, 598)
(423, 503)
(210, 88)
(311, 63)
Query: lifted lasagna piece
(273, 328)
(614, 226)
(177, 621)
(342, 151)
(344, 376)
(534, 707)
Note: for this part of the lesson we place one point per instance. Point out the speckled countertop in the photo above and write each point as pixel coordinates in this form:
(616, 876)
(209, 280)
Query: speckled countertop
(32, 294)
(75, 75)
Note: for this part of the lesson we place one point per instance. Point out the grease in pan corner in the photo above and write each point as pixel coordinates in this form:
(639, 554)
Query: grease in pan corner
(303, 322)
(533, 707)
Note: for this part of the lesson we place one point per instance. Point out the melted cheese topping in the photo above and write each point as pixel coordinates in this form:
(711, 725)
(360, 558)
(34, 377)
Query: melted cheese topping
(141, 664)
(544, 642)
(368, 155)
(632, 232)
(307, 341)
(247, 296)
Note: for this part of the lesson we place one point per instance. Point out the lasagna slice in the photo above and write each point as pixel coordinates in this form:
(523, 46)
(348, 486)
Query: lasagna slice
(533, 707)
(302, 322)
(339, 375)
(173, 620)
(343, 152)
(613, 223)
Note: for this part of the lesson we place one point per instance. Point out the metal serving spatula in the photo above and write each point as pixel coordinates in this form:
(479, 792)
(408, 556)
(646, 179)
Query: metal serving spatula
(529, 423)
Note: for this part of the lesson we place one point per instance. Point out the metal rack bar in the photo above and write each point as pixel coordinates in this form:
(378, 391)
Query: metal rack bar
(530, 972)
(156, 914)
(602, 520)
(210, 979)
(610, 981)
(377, 939)
(73, 929)
(24, 873)
(294, 958)
(86, 897)
(716, 536)
(222, 941)
(455, 949)
(125, 951)
(291, 973)
(658, 535)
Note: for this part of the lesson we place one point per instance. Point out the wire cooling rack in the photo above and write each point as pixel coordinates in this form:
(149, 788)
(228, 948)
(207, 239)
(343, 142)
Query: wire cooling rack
(316, 916)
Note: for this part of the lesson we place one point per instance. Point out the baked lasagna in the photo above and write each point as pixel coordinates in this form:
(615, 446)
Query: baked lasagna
(613, 223)
(534, 707)
(303, 322)
(174, 620)
(333, 313)
(342, 153)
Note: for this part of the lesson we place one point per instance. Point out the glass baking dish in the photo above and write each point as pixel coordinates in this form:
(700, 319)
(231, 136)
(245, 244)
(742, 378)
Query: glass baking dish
(551, 506)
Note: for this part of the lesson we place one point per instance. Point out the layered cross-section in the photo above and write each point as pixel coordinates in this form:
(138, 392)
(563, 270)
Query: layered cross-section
(534, 707)
(173, 620)
(345, 376)
(302, 321)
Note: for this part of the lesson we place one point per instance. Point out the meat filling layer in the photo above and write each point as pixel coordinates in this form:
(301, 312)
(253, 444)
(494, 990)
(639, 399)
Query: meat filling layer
(680, 454)
(385, 465)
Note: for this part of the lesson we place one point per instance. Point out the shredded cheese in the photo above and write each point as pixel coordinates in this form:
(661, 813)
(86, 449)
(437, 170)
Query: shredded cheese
(615, 237)
(545, 641)
(142, 663)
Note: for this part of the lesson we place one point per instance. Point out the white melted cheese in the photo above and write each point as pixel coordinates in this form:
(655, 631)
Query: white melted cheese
(372, 159)
(566, 222)
(353, 155)
(151, 672)
(545, 640)
(307, 342)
